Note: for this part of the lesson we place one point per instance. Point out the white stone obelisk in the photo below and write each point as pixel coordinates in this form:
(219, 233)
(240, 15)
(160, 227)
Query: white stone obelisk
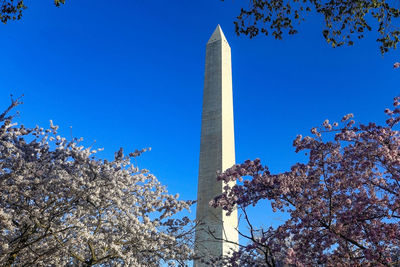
(217, 152)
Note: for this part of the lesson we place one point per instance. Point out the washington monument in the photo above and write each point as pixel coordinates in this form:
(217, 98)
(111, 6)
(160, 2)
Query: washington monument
(217, 152)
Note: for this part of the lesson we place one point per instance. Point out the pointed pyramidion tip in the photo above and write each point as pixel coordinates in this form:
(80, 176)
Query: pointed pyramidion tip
(217, 35)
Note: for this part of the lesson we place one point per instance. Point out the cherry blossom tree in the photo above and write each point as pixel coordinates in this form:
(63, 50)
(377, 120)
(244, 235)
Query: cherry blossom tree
(62, 206)
(343, 204)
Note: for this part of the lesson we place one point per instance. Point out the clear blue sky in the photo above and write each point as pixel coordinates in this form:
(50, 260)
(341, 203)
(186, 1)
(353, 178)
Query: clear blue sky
(130, 74)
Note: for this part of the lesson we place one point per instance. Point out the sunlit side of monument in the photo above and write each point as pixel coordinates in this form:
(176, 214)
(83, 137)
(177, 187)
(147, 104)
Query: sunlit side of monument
(216, 232)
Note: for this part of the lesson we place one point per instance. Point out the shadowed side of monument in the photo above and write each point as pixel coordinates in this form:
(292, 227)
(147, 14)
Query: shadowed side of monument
(217, 152)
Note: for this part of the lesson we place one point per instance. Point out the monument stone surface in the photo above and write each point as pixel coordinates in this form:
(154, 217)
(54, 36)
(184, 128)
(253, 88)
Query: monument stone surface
(217, 152)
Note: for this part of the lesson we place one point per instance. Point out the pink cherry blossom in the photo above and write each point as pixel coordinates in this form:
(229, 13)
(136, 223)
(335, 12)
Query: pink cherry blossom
(343, 204)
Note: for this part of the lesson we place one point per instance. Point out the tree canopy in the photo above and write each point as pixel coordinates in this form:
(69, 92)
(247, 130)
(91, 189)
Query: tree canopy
(344, 21)
(343, 204)
(61, 205)
(12, 9)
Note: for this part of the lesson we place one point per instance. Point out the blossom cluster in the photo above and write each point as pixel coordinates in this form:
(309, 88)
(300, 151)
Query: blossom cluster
(60, 205)
(343, 204)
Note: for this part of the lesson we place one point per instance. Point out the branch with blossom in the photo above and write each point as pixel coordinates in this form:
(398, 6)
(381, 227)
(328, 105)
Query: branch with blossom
(344, 203)
(61, 205)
